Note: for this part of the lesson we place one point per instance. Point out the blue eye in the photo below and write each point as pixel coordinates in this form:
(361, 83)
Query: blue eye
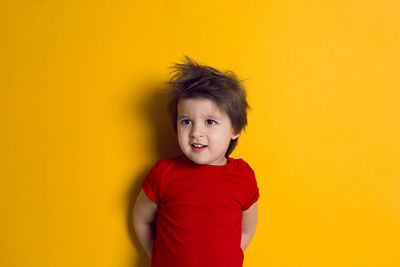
(212, 122)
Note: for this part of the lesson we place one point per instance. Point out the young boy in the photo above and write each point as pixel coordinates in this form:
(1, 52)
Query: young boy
(199, 209)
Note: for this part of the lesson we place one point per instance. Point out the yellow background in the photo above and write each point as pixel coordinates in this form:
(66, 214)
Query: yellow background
(82, 122)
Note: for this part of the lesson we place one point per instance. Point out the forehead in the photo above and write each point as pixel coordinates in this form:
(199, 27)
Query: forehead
(199, 106)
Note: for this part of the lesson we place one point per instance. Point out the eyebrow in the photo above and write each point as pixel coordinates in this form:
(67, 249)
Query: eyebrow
(208, 116)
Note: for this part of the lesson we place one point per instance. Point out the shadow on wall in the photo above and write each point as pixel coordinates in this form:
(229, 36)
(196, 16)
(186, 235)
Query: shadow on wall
(155, 109)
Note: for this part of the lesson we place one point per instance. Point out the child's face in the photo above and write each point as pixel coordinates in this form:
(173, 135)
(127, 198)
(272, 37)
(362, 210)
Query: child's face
(200, 121)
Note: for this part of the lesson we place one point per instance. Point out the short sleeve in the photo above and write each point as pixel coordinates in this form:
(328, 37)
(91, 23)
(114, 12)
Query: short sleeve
(152, 181)
(252, 190)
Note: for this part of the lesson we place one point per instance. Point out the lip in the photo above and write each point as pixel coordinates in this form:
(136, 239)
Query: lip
(197, 144)
(198, 148)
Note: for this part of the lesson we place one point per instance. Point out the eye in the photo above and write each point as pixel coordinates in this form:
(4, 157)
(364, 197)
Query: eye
(185, 122)
(212, 122)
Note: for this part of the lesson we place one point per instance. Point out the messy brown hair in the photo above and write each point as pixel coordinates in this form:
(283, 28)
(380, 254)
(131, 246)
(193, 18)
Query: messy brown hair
(225, 89)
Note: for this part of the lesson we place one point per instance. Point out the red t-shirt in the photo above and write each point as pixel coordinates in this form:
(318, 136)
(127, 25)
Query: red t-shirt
(199, 216)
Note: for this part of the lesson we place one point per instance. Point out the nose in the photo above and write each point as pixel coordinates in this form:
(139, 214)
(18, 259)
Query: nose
(197, 131)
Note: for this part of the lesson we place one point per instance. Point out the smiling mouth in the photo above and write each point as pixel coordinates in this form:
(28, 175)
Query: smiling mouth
(198, 146)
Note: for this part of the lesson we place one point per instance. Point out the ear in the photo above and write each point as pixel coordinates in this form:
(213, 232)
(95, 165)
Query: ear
(234, 136)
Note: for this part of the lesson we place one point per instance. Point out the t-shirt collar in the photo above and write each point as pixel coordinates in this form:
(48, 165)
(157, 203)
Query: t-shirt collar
(188, 161)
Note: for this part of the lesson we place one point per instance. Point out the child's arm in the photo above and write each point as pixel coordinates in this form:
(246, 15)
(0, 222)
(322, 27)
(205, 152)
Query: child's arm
(143, 218)
(249, 223)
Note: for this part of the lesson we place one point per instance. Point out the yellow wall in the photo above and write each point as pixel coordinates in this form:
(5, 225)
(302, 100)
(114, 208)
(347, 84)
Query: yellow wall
(82, 123)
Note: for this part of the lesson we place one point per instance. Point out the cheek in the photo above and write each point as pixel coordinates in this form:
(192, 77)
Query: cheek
(223, 137)
(182, 135)
(181, 130)
(218, 136)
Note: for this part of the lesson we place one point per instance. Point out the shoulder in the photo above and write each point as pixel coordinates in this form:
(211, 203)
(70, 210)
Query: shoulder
(165, 163)
(240, 163)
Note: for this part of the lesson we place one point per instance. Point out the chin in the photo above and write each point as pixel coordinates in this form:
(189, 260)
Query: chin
(197, 161)
(200, 162)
